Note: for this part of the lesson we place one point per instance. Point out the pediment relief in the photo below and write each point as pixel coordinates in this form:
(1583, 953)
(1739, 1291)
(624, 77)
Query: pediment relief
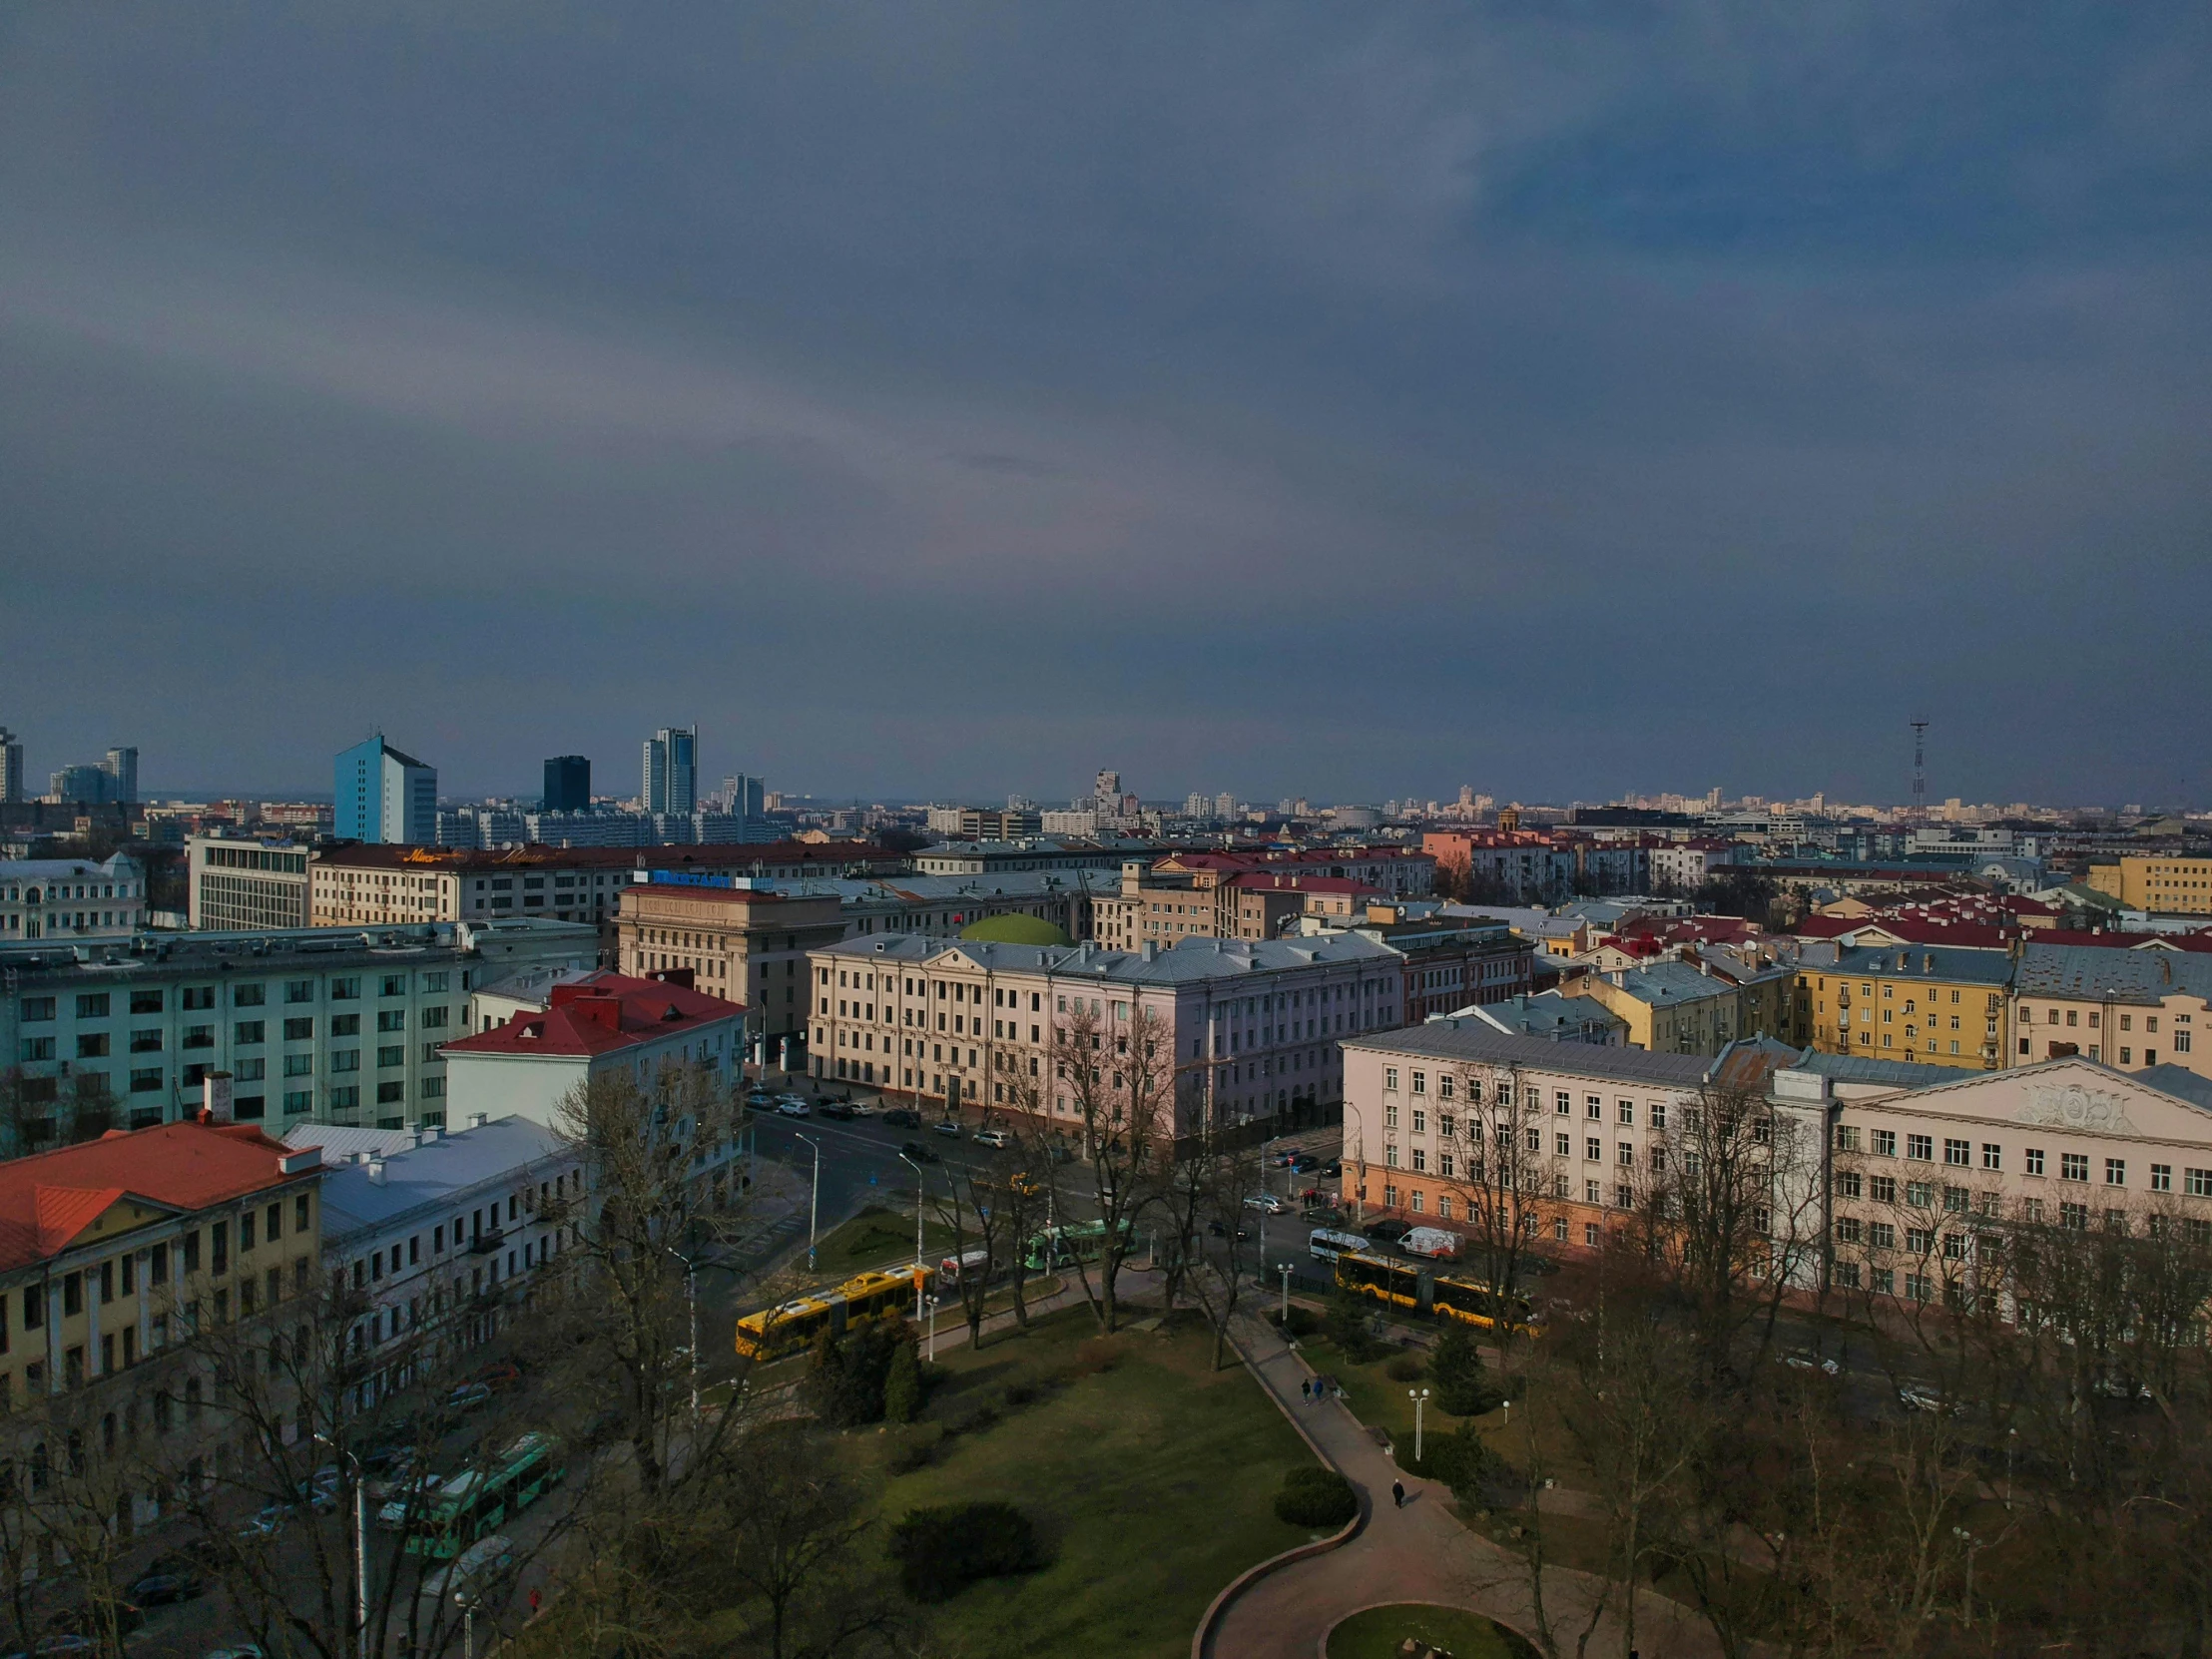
(2077, 1106)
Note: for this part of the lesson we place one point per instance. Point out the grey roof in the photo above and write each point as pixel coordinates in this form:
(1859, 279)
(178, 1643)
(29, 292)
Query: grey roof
(1667, 984)
(1857, 1068)
(1932, 961)
(1546, 1014)
(439, 1172)
(1186, 962)
(2179, 1081)
(1469, 1040)
(925, 889)
(2129, 974)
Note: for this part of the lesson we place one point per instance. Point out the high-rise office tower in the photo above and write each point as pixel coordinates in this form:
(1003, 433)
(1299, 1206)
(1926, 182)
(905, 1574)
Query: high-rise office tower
(122, 765)
(11, 766)
(672, 770)
(744, 795)
(385, 795)
(568, 784)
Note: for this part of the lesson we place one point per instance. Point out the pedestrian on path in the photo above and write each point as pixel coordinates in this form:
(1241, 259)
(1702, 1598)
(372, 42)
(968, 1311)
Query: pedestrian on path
(1397, 1494)
(1306, 1390)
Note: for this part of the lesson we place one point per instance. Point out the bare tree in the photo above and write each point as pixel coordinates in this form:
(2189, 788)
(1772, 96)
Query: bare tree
(1506, 1171)
(1115, 1067)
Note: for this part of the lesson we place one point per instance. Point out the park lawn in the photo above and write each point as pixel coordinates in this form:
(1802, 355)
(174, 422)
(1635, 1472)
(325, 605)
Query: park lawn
(1377, 1398)
(876, 1235)
(1153, 1484)
(1380, 1632)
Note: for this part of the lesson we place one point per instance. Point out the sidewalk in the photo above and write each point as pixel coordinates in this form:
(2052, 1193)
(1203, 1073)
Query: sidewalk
(1418, 1553)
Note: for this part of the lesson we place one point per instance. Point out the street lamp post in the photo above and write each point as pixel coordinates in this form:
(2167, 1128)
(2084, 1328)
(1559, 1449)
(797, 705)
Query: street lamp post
(932, 1330)
(919, 1275)
(813, 1204)
(1284, 1267)
(2011, 1441)
(691, 1302)
(1419, 1398)
(361, 1543)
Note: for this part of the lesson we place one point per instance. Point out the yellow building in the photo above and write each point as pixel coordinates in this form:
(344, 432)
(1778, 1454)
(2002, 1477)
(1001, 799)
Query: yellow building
(1935, 1005)
(2174, 887)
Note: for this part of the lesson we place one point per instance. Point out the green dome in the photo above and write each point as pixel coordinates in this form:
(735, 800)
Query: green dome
(1015, 929)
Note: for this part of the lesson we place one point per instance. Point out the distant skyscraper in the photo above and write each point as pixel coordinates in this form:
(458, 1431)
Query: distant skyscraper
(87, 784)
(122, 765)
(567, 783)
(11, 766)
(672, 770)
(385, 795)
(1108, 785)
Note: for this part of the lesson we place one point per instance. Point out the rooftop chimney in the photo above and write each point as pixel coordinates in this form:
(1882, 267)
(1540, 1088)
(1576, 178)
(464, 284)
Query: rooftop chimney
(214, 1097)
(377, 1171)
(477, 1120)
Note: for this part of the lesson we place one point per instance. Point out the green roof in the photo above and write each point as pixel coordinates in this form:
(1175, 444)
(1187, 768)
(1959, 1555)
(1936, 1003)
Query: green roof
(1015, 927)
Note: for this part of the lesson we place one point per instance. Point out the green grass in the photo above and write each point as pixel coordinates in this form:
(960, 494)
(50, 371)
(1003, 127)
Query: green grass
(874, 1237)
(1152, 1482)
(1380, 1633)
(1377, 1398)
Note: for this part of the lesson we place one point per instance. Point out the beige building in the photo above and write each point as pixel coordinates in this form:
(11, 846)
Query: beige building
(1921, 1179)
(744, 944)
(1670, 1007)
(1254, 1025)
(2161, 883)
(241, 885)
(1210, 898)
(2131, 1009)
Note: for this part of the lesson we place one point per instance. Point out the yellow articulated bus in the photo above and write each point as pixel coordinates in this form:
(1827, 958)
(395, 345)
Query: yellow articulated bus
(1401, 1285)
(775, 1331)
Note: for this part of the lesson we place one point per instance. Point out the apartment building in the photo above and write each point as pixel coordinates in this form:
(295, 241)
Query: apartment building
(1255, 1025)
(1449, 962)
(238, 885)
(1212, 895)
(2162, 883)
(1930, 1005)
(2131, 1009)
(384, 887)
(383, 795)
(334, 1025)
(117, 1252)
(71, 899)
(740, 939)
(1595, 1126)
(441, 1234)
(1041, 852)
(1520, 866)
(1669, 1007)
(601, 1025)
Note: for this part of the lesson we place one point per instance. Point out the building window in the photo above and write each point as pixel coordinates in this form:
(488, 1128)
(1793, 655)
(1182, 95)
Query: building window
(2073, 1166)
(2115, 1171)
(2034, 1157)
(1957, 1153)
(1992, 1155)
(1920, 1148)
(1884, 1143)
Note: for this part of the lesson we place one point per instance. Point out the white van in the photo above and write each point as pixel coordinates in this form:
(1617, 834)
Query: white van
(1329, 1243)
(1430, 1242)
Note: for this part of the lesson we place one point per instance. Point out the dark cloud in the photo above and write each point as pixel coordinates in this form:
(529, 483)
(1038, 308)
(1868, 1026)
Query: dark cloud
(955, 398)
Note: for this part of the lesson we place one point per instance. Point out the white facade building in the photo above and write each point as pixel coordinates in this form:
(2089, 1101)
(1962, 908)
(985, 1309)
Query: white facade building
(71, 899)
(241, 885)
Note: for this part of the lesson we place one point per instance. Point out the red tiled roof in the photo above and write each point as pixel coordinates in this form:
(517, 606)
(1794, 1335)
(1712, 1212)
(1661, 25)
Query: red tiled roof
(597, 1014)
(49, 1198)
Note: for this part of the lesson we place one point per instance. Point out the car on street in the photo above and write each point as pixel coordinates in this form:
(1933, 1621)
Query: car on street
(1268, 1204)
(237, 1650)
(901, 1117)
(1306, 1163)
(918, 1152)
(996, 1139)
(1916, 1396)
(497, 1375)
(164, 1586)
(472, 1572)
(792, 1108)
(66, 1642)
(839, 1111)
(1333, 1169)
(469, 1396)
(1387, 1231)
(268, 1522)
(1219, 1231)
(947, 1126)
(1803, 1359)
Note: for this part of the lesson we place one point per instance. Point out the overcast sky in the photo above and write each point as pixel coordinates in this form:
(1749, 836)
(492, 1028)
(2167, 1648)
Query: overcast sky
(945, 399)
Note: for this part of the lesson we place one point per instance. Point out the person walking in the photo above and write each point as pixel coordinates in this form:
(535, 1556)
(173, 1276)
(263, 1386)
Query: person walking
(1306, 1390)
(1397, 1494)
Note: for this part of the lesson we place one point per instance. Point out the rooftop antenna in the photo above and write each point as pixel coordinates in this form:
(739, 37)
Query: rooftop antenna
(1919, 771)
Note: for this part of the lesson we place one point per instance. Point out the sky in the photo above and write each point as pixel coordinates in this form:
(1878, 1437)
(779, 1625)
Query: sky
(937, 401)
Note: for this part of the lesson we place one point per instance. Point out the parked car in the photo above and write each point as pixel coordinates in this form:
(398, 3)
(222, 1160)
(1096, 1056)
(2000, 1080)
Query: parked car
(1387, 1231)
(839, 1111)
(918, 1152)
(1803, 1359)
(469, 1396)
(791, 1108)
(1916, 1396)
(1268, 1204)
(472, 1572)
(859, 1108)
(237, 1650)
(268, 1522)
(996, 1139)
(159, 1588)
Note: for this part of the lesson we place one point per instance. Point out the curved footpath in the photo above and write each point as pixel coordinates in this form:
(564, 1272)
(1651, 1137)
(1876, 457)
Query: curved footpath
(1418, 1553)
